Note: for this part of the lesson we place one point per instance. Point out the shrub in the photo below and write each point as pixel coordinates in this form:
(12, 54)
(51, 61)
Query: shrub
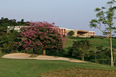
(7, 42)
(3, 31)
(92, 37)
(79, 49)
(101, 55)
(71, 33)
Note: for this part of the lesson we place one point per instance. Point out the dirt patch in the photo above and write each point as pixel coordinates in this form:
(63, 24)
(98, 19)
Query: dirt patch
(40, 57)
(17, 56)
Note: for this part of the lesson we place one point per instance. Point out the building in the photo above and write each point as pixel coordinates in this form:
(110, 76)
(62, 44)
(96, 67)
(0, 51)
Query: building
(63, 31)
(17, 28)
(78, 33)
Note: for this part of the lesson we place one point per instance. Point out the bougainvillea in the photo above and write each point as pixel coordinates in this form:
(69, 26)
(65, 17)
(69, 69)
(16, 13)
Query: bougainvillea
(41, 36)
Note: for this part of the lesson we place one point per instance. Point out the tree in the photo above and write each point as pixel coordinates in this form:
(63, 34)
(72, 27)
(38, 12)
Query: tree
(80, 48)
(71, 33)
(41, 36)
(22, 23)
(7, 42)
(104, 22)
(4, 22)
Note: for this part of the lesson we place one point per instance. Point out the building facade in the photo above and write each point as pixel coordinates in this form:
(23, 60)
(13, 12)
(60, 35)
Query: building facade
(78, 33)
(63, 31)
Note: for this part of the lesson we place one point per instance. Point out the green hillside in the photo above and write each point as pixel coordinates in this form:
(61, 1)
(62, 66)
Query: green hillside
(93, 41)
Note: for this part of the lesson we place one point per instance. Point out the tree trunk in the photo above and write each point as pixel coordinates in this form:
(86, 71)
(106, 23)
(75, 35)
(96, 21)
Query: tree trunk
(82, 57)
(32, 51)
(44, 52)
(95, 56)
(112, 62)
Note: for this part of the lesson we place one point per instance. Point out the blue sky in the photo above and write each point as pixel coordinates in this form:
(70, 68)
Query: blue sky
(74, 14)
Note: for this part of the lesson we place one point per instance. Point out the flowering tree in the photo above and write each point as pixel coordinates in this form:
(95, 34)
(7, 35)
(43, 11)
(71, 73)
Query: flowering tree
(41, 36)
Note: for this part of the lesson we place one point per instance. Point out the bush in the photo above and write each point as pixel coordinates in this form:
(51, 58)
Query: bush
(79, 49)
(71, 33)
(7, 42)
(101, 56)
(3, 30)
(104, 61)
(92, 37)
(54, 53)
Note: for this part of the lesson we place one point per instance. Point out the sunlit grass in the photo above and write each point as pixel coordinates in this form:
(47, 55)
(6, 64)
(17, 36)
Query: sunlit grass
(93, 41)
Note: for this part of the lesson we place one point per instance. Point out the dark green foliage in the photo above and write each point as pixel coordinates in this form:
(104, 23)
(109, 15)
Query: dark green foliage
(3, 31)
(79, 49)
(102, 55)
(7, 42)
(4, 22)
(114, 59)
(99, 48)
(54, 53)
(92, 37)
(114, 37)
(71, 33)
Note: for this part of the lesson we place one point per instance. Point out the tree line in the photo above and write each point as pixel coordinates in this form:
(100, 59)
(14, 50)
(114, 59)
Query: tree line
(4, 22)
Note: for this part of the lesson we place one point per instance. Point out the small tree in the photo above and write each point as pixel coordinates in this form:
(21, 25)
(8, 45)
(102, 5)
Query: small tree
(71, 33)
(105, 16)
(80, 48)
(41, 36)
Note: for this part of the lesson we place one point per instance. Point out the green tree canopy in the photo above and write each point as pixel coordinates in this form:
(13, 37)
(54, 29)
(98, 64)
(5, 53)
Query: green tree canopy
(71, 33)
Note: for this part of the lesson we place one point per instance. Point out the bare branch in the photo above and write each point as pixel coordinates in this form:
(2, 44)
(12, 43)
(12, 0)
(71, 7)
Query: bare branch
(101, 30)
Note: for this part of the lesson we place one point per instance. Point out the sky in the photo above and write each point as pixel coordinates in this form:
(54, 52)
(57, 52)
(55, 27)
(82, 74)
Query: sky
(72, 14)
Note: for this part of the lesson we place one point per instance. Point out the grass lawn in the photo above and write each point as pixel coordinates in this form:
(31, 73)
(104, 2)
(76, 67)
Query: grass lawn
(93, 41)
(34, 68)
